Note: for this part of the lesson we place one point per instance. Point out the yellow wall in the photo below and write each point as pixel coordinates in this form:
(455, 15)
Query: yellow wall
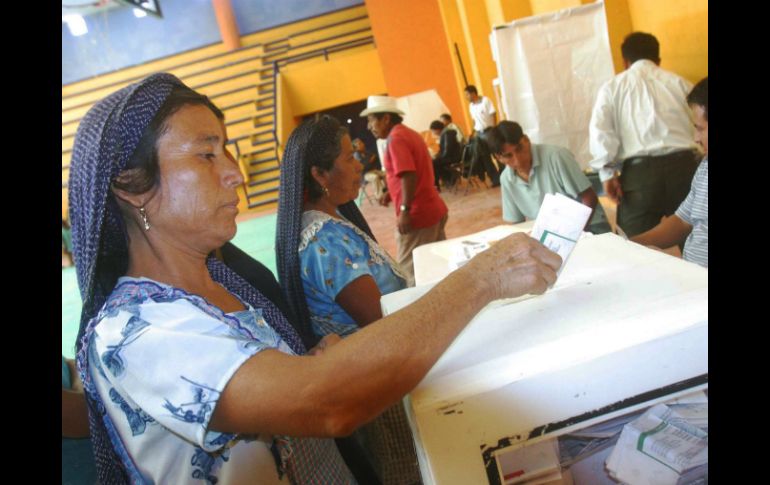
(512, 10)
(547, 6)
(336, 82)
(284, 116)
(312, 87)
(681, 27)
(476, 27)
(618, 27)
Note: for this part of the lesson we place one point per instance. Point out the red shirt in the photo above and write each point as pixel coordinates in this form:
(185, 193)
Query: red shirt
(407, 152)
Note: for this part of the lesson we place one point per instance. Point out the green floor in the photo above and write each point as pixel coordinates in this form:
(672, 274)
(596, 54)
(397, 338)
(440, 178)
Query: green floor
(255, 236)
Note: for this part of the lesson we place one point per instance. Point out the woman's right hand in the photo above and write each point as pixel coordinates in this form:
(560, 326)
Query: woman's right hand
(327, 341)
(514, 266)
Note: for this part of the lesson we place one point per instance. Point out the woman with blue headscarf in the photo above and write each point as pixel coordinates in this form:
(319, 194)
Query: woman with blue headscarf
(191, 374)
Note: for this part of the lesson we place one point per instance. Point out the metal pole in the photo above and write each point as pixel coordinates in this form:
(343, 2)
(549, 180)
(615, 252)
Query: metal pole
(460, 60)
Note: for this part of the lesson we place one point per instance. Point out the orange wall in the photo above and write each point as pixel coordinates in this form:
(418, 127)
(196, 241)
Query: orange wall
(453, 27)
(413, 49)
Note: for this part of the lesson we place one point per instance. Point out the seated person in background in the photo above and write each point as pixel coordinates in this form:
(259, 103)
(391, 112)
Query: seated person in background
(335, 270)
(184, 363)
(535, 170)
(450, 152)
(77, 456)
(447, 120)
(373, 173)
(368, 160)
(431, 141)
(691, 219)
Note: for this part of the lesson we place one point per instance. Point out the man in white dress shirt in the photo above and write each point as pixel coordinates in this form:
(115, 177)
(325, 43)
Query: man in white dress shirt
(641, 137)
(484, 118)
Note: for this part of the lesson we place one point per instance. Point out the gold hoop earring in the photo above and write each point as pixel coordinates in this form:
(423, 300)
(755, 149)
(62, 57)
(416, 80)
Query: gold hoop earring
(326, 191)
(143, 215)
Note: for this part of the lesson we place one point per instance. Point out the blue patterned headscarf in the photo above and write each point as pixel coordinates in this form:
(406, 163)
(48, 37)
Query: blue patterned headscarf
(105, 141)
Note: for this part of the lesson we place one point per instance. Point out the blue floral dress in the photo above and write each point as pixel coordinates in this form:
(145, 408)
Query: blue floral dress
(159, 358)
(333, 253)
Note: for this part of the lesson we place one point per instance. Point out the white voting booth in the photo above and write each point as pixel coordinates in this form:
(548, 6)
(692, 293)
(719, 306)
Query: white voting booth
(624, 327)
(550, 68)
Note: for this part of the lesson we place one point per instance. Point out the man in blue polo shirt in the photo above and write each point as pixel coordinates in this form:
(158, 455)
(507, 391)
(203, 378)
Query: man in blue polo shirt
(533, 170)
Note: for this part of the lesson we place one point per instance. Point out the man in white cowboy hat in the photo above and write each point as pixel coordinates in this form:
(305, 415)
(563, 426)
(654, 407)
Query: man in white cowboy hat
(421, 213)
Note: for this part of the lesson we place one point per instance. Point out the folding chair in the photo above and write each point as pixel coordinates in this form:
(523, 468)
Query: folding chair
(363, 193)
(469, 176)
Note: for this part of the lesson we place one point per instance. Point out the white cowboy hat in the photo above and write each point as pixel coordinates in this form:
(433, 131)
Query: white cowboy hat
(381, 104)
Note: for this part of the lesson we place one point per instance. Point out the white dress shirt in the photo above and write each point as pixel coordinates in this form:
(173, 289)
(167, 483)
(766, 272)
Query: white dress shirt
(481, 113)
(640, 112)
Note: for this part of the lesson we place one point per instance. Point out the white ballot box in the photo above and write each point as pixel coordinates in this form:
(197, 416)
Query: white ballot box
(623, 328)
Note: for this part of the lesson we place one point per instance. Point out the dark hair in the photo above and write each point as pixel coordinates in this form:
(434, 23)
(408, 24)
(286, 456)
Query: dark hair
(324, 159)
(144, 162)
(315, 142)
(447, 116)
(504, 132)
(436, 125)
(640, 45)
(700, 96)
(471, 89)
(395, 118)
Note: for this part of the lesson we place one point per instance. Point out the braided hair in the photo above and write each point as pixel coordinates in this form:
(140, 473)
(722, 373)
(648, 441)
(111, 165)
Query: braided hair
(315, 143)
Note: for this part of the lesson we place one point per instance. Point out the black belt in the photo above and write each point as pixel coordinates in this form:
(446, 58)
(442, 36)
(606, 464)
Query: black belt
(645, 158)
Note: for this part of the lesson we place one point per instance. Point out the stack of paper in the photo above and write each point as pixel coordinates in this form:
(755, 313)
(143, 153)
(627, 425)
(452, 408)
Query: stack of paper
(466, 251)
(663, 446)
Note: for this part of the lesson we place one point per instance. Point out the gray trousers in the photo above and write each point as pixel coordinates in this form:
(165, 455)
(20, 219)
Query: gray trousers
(406, 243)
(654, 187)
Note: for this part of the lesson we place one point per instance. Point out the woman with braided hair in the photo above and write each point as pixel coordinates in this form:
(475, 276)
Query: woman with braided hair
(193, 375)
(332, 270)
(330, 266)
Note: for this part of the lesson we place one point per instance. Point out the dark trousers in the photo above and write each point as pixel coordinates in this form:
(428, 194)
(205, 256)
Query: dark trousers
(442, 170)
(654, 187)
(483, 160)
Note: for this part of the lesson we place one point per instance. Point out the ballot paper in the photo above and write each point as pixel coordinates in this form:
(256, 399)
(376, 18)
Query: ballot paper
(467, 250)
(559, 224)
(663, 446)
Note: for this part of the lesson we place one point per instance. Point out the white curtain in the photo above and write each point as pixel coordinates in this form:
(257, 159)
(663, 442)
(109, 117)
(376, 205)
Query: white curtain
(550, 68)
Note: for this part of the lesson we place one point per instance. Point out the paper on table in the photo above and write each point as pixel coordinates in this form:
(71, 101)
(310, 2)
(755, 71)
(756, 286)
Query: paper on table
(559, 224)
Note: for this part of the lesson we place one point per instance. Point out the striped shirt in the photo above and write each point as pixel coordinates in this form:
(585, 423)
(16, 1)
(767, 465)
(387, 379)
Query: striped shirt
(695, 211)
